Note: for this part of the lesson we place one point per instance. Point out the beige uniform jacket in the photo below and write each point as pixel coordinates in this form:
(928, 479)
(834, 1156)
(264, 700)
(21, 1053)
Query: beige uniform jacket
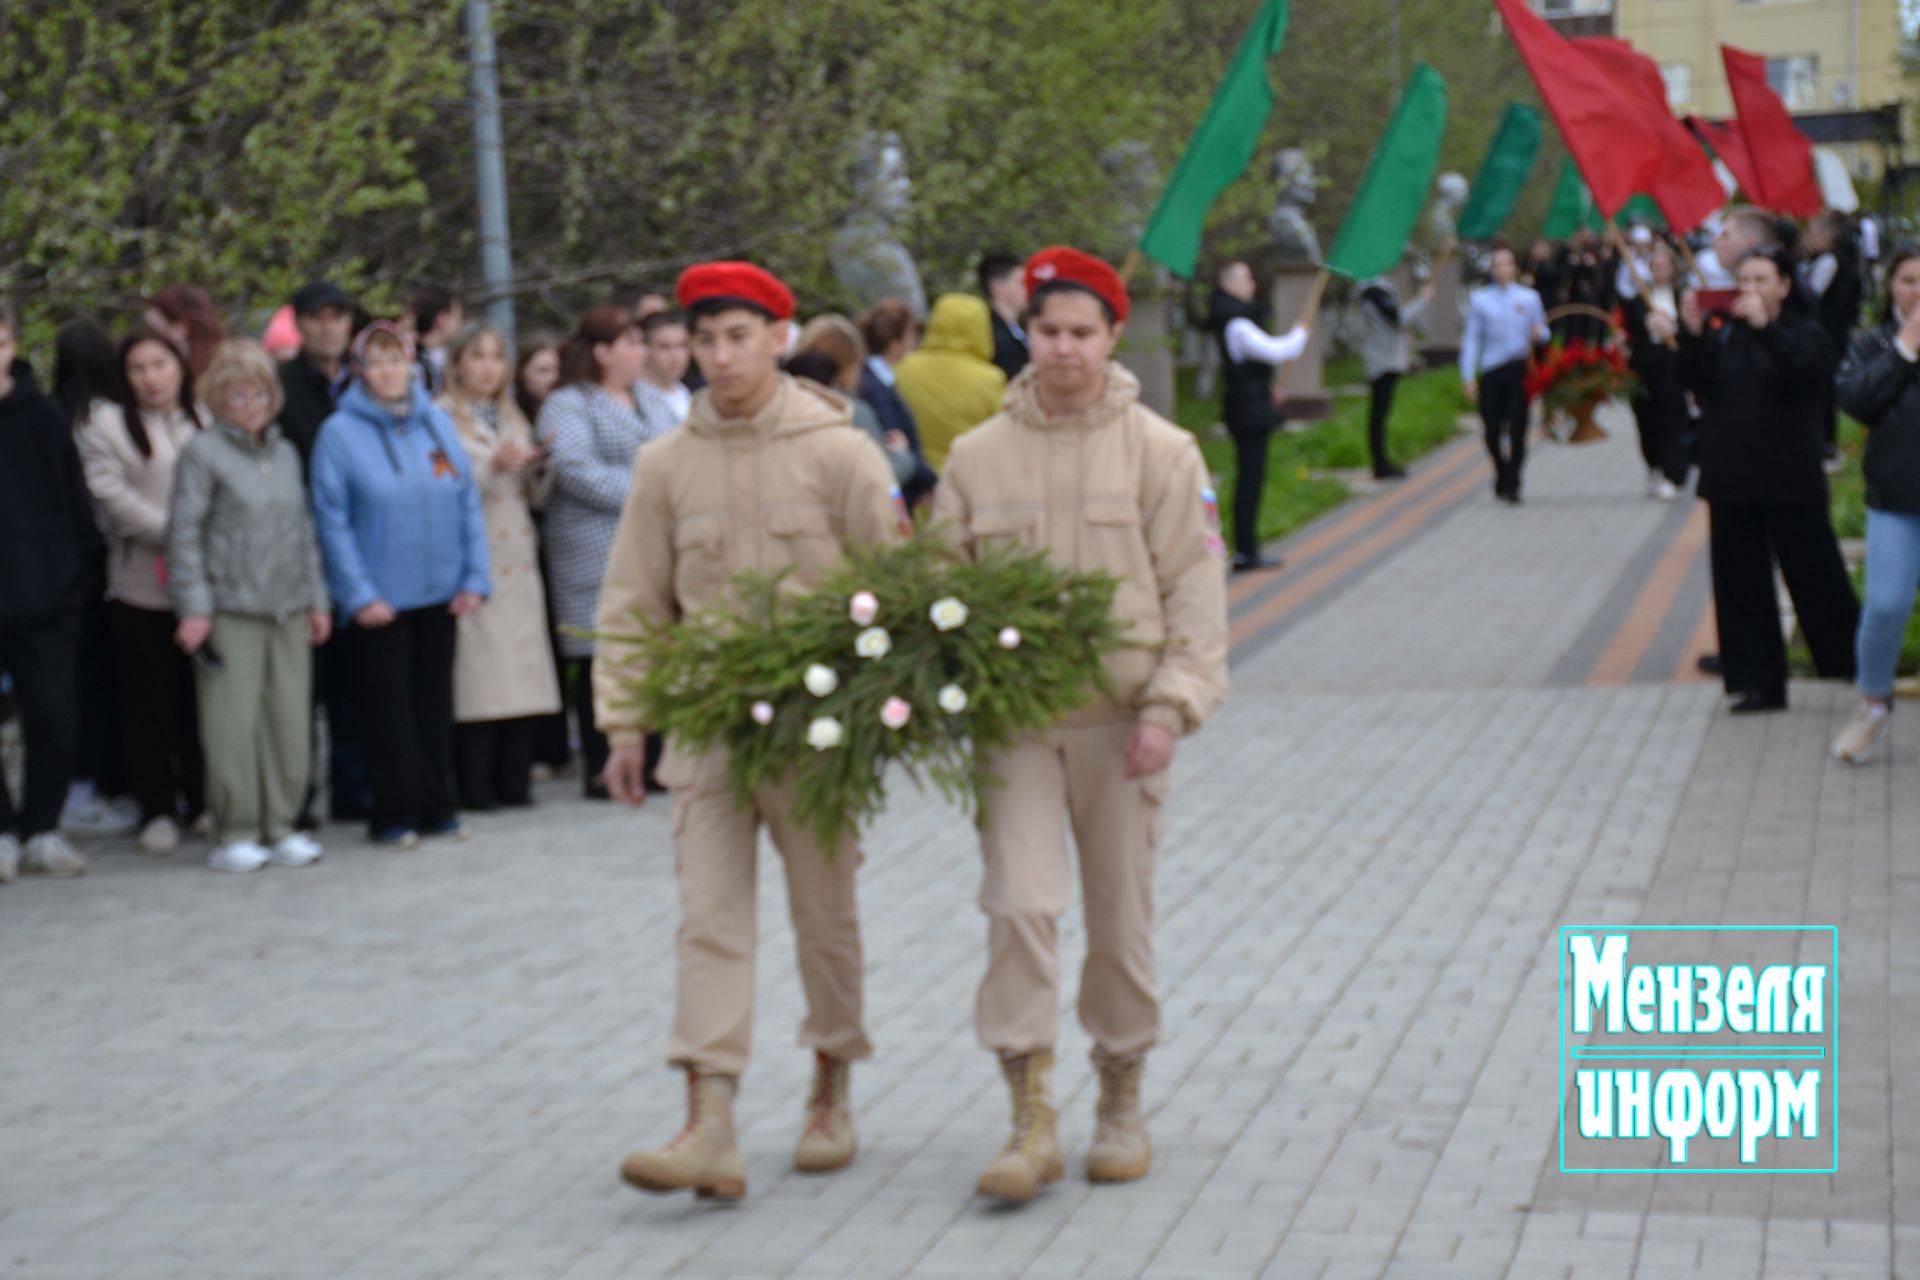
(790, 487)
(1116, 488)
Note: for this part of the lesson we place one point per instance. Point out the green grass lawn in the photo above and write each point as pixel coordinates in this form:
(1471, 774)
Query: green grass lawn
(1424, 413)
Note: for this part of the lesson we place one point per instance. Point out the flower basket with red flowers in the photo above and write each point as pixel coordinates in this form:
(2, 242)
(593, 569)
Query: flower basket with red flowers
(1576, 378)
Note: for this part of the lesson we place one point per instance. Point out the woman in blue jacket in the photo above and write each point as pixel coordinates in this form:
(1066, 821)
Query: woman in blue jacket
(406, 554)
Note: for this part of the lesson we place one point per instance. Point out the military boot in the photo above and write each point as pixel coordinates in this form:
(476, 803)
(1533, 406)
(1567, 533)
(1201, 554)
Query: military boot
(1031, 1158)
(705, 1157)
(1120, 1151)
(828, 1142)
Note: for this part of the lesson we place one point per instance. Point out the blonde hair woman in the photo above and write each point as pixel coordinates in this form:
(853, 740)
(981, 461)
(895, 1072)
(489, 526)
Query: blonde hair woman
(503, 670)
(244, 576)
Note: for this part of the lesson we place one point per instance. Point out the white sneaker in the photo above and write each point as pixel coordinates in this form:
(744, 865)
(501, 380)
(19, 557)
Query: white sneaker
(1666, 490)
(238, 855)
(9, 859)
(49, 854)
(160, 837)
(296, 850)
(1864, 734)
(88, 814)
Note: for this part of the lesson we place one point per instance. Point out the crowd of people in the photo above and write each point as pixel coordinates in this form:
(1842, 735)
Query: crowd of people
(1746, 348)
(386, 536)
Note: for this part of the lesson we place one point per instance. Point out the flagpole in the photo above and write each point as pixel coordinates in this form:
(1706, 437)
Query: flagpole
(1625, 251)
(1131, 265)
(1686, 252)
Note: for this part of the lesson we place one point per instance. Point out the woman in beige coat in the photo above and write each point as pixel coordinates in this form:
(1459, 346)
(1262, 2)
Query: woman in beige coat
(129, 450)
(503, 670)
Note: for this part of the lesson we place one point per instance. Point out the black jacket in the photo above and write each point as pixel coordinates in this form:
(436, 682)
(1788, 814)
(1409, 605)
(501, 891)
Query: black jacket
(1879, 386)
(47, 533)
(890, 409)
(310, 402)
(1009, 350)
(1246, 386)
(1763, 393)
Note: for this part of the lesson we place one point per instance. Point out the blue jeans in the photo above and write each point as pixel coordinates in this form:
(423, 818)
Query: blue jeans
(1893, 575)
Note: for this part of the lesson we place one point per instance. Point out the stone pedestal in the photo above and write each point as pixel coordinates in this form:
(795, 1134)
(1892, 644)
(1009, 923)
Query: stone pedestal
(1443, 325)
(1302, 380)
(1146, 348)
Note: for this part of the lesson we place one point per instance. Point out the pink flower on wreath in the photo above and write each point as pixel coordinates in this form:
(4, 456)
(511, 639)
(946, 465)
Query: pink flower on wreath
(895, 713)
(863, 608)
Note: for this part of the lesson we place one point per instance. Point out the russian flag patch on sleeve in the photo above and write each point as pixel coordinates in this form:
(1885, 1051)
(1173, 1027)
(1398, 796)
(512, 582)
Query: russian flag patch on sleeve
(1210, 504)
(900, 512)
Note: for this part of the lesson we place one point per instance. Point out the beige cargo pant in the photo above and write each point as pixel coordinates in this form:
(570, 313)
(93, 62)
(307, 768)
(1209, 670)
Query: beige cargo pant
(1077, 774)
(256, 718)
(715, 849)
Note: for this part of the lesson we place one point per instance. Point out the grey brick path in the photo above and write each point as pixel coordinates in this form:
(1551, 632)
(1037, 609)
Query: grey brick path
(429, 1065)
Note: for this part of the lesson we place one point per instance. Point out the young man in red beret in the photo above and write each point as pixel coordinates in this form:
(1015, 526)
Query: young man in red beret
(1076, 466)
(768, 473)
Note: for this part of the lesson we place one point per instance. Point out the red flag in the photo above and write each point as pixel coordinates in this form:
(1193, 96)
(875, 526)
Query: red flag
(1780, 156)
(1618, 154)
(1726, 143)
(1686, 189)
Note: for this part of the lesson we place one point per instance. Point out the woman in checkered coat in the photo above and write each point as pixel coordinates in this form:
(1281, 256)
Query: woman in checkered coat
(593, 427)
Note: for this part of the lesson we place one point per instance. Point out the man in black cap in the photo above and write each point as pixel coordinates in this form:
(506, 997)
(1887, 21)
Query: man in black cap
(314, 379)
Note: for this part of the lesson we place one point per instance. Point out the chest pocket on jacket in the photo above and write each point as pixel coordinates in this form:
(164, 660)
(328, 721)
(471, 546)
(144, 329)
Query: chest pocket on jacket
(1113, 537)
(804, 537)
(999, 528)
(699, 559)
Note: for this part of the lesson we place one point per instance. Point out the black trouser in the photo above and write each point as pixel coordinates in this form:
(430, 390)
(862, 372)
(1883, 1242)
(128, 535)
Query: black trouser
(1250, 448)
(403, 687)
(38, 655)
(1378, 412)
(162, 729)
(1745, 540)
(593, 743)
(1660, 413)
(99, 756)
(1503, 408)
(493, 760)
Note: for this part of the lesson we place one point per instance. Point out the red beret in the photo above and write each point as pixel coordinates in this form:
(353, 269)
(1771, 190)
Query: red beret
(1063, 265)
(741, 281)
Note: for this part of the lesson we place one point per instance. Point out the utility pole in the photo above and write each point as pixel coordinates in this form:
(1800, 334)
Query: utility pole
(1393, 43)
(489, 170)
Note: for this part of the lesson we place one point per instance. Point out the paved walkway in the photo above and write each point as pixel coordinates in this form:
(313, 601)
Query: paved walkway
(1455, 726)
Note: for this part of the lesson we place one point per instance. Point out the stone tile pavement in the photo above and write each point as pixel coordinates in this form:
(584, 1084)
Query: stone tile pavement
(429, 1064)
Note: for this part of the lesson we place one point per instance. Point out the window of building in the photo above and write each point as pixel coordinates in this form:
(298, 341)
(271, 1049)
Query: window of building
(1679, 78)
(1796, 80)
(1574, 8)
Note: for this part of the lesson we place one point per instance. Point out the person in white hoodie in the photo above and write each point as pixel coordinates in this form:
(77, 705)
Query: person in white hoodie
(128, 451)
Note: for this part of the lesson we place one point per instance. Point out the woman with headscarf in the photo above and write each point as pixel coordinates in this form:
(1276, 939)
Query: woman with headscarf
(405, 546)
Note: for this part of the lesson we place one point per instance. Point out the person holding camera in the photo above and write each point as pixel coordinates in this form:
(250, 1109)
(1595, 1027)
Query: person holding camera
(245, 579)
(1760, 370)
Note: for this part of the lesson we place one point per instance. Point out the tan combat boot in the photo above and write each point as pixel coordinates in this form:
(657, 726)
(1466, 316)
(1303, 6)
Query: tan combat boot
(1120, 1151)
(828, 1141)
(1031, 1158)
(705, 1157)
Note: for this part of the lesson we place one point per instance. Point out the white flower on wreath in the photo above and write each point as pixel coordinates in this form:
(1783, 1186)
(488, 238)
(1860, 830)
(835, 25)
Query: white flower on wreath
(863, 608)
(874, 642)
(825, 733)
(953, 699)
(1009, 637)
(762, 713)
(820, 680)
(948, 613)
(896, 712)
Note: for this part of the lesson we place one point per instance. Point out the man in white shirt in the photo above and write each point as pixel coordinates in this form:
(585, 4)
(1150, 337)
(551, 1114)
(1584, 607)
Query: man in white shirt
(661, 395)
(1249, 403)
(1505, 320)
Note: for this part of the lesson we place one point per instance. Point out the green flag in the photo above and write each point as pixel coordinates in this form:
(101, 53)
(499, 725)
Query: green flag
(1572, 207)
(1220, 148)
(1503, 174)
(1395, 189)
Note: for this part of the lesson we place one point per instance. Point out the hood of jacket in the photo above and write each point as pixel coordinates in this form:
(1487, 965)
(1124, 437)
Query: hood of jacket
(960, 324)
(797, 407)
(25, 389)
(1122, 393)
